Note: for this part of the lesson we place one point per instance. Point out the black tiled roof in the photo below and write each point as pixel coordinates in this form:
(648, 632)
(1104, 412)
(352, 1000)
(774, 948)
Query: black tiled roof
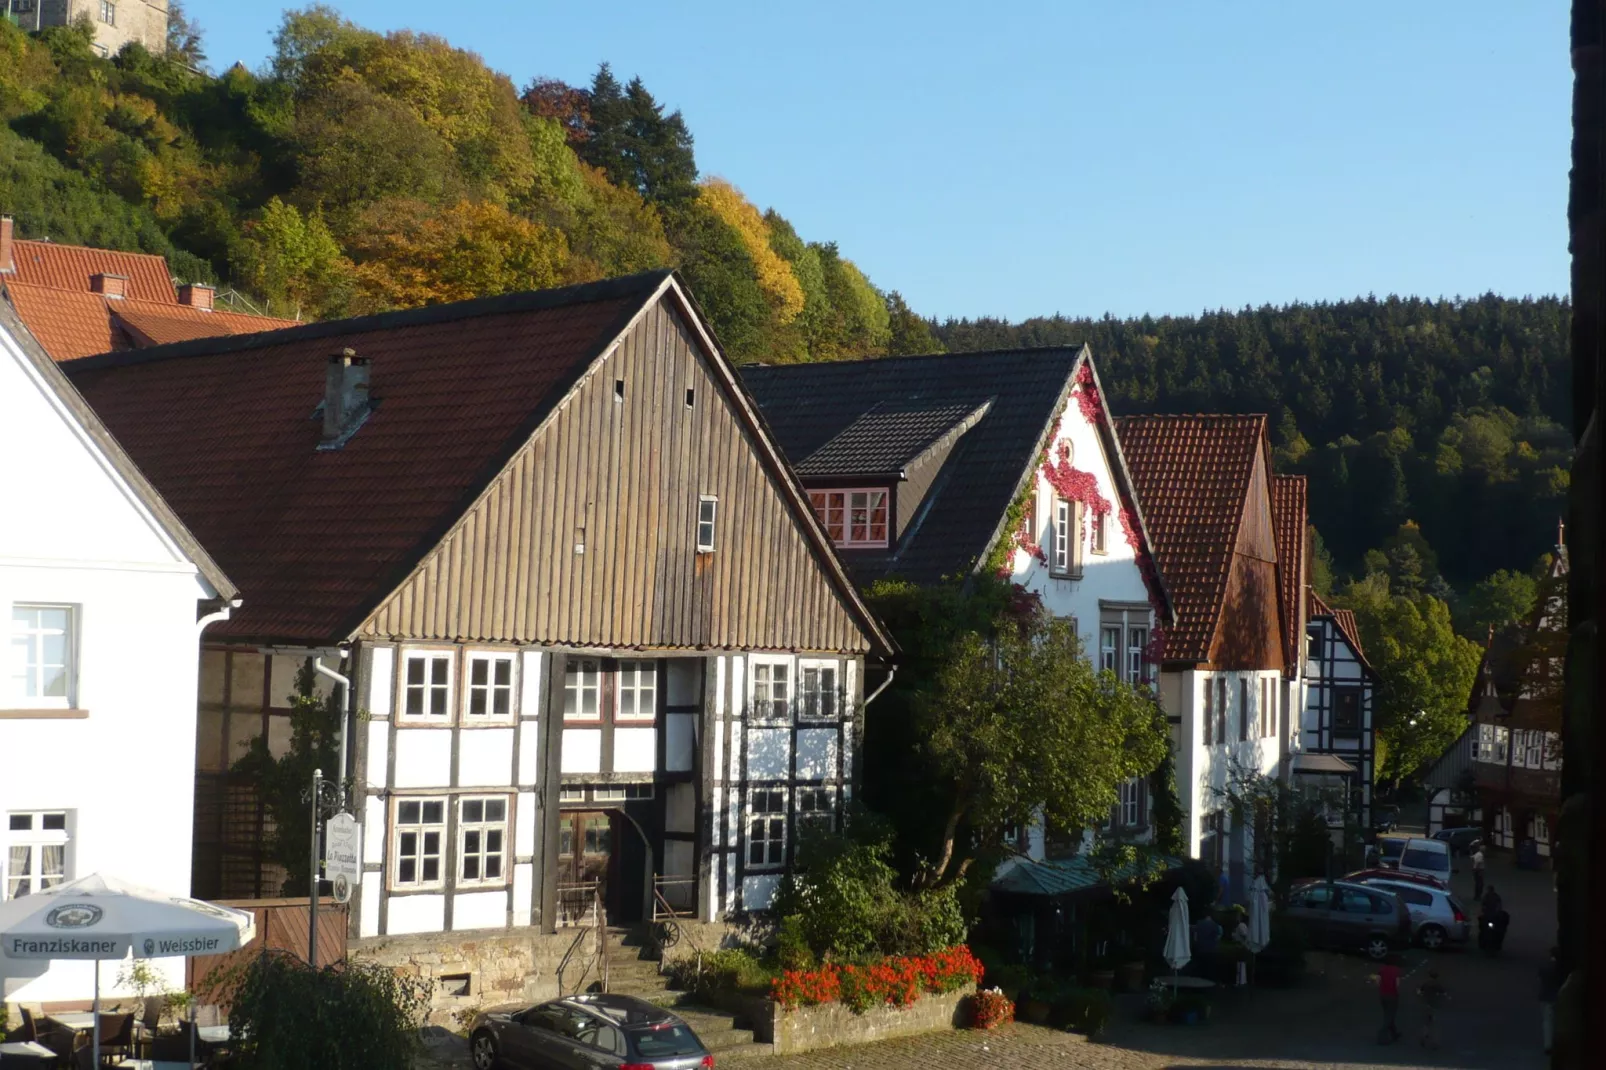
(900, 399)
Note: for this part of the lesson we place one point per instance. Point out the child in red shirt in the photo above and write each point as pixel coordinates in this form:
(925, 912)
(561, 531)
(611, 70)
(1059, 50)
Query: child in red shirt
(1388, 990)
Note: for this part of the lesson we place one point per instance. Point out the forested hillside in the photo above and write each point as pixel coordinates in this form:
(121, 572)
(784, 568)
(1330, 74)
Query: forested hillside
(359, 172)
(1434, 432)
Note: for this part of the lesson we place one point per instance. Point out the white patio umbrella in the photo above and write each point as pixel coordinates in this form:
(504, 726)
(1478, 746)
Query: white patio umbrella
(1179, 935)
(100, 918)
(1259, 915)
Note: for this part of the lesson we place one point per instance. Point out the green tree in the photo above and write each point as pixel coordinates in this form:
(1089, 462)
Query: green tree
(908, 334)
(184, 36)
(1499, 599)
(293, 261)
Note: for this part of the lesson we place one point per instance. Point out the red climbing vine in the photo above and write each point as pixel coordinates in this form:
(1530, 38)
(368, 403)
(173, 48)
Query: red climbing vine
(1088, 397)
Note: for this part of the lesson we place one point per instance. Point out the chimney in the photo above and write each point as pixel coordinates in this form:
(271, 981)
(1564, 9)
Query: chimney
(110, 285)
(6, 266)
(345, 398)
(196, 295)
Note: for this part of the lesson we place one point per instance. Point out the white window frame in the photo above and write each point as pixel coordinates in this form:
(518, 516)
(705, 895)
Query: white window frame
(1101, 533)
(491, 659)
(809, 810)
(108, 12)
(575, 686)
(769, 827)
(1534, 750)
(1137, 649)
(27, 643)
(429, 658)
(35, 839)
(822, 702)
(634, 667)
(848, 533)
(707, 523)
(1502, 744)
(1110, 647)
(421, 829)
(486, 828)
(1062, 538)
(764, 708)
(1128, 806)
(1485, 750)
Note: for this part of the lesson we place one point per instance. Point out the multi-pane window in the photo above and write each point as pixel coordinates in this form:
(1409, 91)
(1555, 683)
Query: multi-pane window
(427, 687)
(816, 808)
(481, 840)
(1534, 750)
(1502, 739)
(41, 667)
(1110, 647)
(1129, 811)
(1346, 709)
(637, 691)
(108, 12)
(420, 835)
(1062, 545)
(36, 852)
(772, 691)
(1137, 665)
(817, 686)
(490, 685)
(582, 689)
(1485, 748)
(707, 514)
(852, 518)
(766, 829)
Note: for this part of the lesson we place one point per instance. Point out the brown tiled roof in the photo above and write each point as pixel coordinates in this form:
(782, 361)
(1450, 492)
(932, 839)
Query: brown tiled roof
(71, 324)
(1344, 618)
(69, 267)
(316, 538)
(1192, 474)
(1289, 511)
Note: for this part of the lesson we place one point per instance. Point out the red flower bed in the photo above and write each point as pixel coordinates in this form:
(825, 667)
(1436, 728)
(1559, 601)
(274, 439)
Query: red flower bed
(895, 982)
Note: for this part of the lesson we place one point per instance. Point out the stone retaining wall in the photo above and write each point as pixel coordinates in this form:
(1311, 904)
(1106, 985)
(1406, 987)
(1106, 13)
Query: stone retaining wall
(833, 1024)
(496, 966)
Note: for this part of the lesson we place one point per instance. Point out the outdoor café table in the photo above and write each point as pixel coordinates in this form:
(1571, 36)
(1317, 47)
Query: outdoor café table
(1190, 984)
(212, 1034)
(26, 1053)
(74, 1021)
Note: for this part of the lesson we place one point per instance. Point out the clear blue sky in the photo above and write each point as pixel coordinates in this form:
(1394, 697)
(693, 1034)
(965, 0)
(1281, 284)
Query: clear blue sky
(1122, 156)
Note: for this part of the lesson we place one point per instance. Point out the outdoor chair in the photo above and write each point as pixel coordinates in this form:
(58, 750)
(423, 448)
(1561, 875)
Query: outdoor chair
(30, 1030)
(116, 1036)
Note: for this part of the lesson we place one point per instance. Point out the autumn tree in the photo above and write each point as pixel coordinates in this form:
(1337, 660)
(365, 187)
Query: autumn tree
(291, 259)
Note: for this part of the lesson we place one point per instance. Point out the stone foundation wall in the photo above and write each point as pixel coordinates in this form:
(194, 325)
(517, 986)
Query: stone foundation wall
(830, 1025)
(475, 970)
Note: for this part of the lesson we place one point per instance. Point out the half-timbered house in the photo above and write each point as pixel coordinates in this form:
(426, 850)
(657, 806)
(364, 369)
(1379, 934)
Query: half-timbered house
(1336, 740)
(936, 467)
(1205, 484)
(591, 635)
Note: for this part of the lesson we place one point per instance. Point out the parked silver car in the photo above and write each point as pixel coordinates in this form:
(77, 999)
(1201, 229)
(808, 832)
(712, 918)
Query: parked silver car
(1437, 919)
(587, 1032)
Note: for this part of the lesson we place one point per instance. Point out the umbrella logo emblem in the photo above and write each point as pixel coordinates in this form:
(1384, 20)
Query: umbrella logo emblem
(74, 916)
(150, 948)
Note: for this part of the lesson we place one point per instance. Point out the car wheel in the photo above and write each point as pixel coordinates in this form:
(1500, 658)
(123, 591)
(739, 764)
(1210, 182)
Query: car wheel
(1432, 937)
(483, 1049)
(1377, 947)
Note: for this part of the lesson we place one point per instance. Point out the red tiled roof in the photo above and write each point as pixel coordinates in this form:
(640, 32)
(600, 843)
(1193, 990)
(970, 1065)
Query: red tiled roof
(69, 267)
(1289, 515)
(1344, 618)
(314, 539)
(1192, 474)
(70, 324)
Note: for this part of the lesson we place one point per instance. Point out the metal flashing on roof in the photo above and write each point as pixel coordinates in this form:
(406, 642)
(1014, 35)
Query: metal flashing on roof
(1321, 764)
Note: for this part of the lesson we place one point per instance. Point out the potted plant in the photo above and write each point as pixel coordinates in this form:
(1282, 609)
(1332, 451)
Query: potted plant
(990, 1008)
(1157, 1004)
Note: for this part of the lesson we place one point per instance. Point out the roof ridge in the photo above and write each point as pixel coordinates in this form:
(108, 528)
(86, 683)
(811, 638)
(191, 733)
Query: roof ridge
(1071, 350)
(521, 301)
(87, 248)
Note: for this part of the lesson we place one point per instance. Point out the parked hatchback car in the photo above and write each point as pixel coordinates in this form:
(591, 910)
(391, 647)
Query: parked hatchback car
(1363, 875)
(587, 1032)
(1343, 916)
(1437, 919)
(1462, 841)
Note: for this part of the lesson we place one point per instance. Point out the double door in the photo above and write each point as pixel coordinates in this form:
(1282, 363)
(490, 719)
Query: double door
(586, 864)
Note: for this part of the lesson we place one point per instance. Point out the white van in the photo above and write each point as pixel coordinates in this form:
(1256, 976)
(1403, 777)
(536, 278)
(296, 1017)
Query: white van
(1428, 858)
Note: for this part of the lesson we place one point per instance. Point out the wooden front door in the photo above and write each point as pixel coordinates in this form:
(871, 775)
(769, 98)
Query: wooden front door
(585, 856)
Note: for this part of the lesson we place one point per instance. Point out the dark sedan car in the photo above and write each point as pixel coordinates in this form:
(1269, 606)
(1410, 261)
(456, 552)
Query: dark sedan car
(1462, 841)
(589, 1032)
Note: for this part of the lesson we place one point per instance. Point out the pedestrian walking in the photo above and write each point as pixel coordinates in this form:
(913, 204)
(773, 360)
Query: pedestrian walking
(1477, 872)
(1434, 995)
(1550, 979)
(1387, 979)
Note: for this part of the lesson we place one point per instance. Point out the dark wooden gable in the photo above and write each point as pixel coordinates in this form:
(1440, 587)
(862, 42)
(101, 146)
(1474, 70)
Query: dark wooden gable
(588, 537)
(1249, 629)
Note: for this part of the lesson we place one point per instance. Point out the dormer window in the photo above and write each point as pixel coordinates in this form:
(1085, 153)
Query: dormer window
(854, 518)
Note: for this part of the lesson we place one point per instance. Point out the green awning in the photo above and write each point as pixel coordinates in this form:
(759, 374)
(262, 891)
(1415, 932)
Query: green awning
(1067, 876)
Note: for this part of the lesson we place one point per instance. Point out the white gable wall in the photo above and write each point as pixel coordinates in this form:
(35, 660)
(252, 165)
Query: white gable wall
(120, 760)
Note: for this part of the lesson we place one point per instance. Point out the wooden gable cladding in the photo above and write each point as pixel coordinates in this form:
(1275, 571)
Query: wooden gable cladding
(619, 470)
(1249, 628)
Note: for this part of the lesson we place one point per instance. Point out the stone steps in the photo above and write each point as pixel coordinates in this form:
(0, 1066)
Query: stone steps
(718, 1030)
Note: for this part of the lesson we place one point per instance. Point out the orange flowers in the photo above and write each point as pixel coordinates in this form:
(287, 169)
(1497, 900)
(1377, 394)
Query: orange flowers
(895, 982)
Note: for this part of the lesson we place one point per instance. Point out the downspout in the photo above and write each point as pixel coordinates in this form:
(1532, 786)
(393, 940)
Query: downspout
(222, 613)
(345, 717)
(892, 670)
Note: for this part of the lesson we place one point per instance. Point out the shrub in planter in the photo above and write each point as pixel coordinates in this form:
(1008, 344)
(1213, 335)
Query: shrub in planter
(990, 1009)
(727, 970)
(1157, 1004)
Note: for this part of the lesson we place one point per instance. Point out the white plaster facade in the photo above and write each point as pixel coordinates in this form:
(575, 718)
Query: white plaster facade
(99, 773)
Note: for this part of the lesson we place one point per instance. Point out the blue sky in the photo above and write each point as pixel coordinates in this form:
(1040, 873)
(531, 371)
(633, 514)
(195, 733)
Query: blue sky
(1122, 156)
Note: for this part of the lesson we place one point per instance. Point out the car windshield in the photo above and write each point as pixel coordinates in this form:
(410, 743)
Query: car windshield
(665, 1041)
(1391, 848)
(1420, 858)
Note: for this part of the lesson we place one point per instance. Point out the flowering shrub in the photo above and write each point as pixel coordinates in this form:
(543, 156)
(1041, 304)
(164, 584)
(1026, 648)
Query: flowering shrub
(992, 1009)
(897, 981)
